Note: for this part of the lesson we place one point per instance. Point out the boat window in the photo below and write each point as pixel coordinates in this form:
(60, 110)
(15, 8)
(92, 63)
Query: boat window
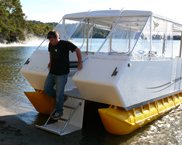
(176, 42)
(96, 34)
(176, 45)
(73, 31)
(168, 42)
(142, 48)
(162, 38)
(125, 32)
(87, 35)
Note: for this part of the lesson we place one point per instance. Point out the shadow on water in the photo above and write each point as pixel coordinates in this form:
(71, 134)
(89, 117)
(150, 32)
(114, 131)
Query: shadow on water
(13, 127)
(23, 134)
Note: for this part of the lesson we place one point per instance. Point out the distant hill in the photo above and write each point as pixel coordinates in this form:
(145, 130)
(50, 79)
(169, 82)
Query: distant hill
(38, 28)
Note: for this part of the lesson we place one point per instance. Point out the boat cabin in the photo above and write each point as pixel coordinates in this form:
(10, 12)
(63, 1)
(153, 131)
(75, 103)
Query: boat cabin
(140, 34)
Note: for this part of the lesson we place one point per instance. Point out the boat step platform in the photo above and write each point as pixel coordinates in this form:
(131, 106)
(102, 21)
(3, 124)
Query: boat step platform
(71, 120)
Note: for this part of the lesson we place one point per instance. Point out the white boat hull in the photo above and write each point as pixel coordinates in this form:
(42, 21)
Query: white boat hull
(135, 82)
(35, 70)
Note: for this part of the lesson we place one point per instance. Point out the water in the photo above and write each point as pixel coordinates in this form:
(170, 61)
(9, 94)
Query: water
(165, 130)
(12, 82)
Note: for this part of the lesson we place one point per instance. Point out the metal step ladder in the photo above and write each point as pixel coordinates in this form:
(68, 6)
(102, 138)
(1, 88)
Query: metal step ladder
(71, 120)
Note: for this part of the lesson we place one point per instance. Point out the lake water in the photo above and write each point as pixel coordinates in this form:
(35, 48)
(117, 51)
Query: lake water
(165, 130)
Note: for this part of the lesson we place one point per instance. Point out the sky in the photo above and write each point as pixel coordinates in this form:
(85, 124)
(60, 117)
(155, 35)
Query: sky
(54, 10)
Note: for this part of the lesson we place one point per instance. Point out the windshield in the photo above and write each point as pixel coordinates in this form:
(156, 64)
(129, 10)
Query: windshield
(120, 36)
(85, 34)
(96, 35)
(124, 34)
(140, 36)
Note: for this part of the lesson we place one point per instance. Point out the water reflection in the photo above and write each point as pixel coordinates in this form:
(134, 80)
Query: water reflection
(165, 130)
(12, 82)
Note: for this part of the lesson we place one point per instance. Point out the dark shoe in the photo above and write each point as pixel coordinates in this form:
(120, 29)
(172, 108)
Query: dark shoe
(57, 116)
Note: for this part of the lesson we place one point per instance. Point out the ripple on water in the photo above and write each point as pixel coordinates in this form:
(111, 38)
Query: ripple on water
(12, 83)
(165, 130)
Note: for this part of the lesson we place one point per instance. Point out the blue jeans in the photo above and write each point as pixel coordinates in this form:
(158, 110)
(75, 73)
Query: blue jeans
(54, 86)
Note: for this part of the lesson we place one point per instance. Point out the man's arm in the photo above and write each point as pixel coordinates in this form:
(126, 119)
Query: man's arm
(79, 57)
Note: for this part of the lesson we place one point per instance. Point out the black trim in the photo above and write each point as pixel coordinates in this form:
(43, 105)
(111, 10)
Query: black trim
(27, 61)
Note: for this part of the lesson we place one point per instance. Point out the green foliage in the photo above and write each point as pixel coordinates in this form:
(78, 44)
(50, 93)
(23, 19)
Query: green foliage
(38, 28)
(99, 33)
(14, 27)
(12, 22)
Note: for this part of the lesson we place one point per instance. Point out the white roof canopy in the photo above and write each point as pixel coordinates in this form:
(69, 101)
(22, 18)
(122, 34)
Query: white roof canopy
(107, 17)
(106, 14)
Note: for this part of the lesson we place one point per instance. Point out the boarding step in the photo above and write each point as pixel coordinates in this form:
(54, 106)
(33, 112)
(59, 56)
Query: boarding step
(71, 120)
(70, 107)
(63, 119)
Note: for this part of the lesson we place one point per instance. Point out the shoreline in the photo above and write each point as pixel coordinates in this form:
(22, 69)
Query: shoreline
(35, 41)
(5, 111)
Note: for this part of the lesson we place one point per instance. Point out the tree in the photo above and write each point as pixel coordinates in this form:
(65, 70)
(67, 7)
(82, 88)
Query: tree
(38, 28)
(12, 22)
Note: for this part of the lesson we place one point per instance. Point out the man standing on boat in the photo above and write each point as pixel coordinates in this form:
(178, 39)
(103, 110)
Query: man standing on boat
(59, 69)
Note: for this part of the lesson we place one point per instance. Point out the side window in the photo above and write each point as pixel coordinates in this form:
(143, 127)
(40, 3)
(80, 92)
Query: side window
(142, 47)
(158, 37)
(168, 40)
(176, 44)
(162, 38)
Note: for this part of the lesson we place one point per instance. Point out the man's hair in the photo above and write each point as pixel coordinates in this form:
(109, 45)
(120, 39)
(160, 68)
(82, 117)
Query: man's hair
(52, 34)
